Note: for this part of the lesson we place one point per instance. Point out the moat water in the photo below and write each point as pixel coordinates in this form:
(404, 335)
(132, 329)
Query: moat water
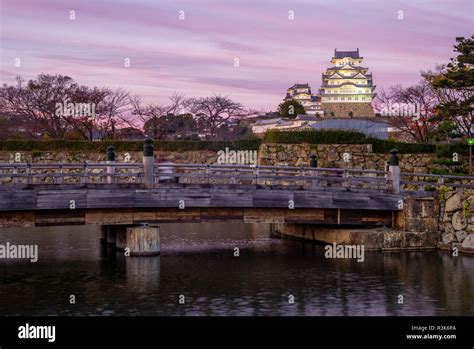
(198, 262)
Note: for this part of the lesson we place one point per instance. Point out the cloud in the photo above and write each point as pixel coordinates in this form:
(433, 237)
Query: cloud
(196, 55)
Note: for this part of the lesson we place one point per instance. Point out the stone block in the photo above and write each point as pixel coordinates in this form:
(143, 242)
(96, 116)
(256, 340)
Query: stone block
(460, 235)
(453, 203)
(458, 221)
(468, 244)
(448, 238)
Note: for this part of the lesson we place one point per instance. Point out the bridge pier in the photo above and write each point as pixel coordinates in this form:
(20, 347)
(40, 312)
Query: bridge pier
(111, 235)
(143, 241)
(103, 234)
(121, 237)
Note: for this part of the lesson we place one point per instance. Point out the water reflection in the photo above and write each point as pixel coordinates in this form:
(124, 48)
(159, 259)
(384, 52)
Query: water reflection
(143, 273)
(197, 261)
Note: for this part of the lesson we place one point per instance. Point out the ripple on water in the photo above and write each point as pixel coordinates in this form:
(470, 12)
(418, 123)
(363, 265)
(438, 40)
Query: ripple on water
(197, 261)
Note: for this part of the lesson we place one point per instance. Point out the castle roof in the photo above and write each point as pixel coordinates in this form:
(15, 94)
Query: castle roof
(343, 54)
(347, 83)
(348, 67)
(300, 86)
(336, 75)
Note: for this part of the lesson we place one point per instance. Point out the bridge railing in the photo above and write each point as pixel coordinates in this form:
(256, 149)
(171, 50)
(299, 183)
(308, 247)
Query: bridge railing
(151, 174)
(430, 182)
(70, 173)
(307, 177)
(96, 173)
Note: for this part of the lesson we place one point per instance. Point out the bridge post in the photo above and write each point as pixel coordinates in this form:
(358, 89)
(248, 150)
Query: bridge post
(143, 241)
(394, 169)
(84, 177)
(110, 160)
(313, 163)
(148, 163)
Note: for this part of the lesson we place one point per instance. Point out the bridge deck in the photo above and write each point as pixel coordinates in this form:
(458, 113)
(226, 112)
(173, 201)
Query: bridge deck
(60, 197)
(37, 205)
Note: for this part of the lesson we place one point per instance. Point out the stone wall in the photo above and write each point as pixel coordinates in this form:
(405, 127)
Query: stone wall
(329, 155)
(444, 221)
(363, 110)
(198, 157)
(195, 157)
(358, 156)
(371, 238)
(419, 214)
(456, 222)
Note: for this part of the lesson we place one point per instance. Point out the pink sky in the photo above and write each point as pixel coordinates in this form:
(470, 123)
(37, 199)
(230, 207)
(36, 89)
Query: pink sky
(195, 56)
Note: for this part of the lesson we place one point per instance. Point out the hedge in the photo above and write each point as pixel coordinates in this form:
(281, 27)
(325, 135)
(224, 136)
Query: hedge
(101, 146)
(384, 146)
(353, 137)
(447, 150)
(315, 137)
(273, 136)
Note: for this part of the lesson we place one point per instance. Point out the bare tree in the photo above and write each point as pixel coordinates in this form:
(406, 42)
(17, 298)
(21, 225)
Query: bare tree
(36, 101)
(147, 113)
(87, 124)
(154, 115)
(176, 104)
(214, 111)
(410, 110)
(52, 104)
(112, 110)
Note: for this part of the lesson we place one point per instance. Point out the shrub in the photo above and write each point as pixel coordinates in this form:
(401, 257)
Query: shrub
(344, 137)
(445, 161)
(439, 171)
(315, 137)
(384, 146)
(101, 146)
(447, 150)
(456, 171)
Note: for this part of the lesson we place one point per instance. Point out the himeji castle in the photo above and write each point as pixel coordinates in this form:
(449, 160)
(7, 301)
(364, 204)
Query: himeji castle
(347, 89)
(347, 81)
